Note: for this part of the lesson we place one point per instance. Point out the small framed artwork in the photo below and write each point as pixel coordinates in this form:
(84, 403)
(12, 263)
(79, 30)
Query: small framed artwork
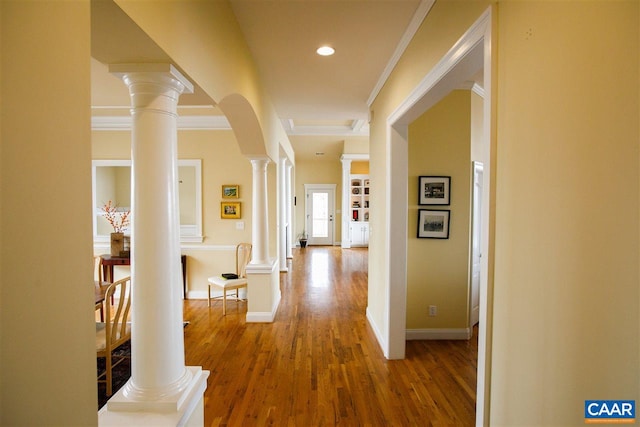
(433, 224)
(230, 191)
(230, 210)
(434, 190)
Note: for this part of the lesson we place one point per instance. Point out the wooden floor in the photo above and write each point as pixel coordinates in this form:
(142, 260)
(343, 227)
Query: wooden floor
(319, 364)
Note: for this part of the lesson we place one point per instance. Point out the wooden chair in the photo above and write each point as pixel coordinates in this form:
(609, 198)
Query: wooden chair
(97, 277)
(116, 330)
(243, 256)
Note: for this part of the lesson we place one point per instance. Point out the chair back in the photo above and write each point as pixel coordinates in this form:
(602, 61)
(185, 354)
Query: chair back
(118, 331)
(97, 269)
(243, 256)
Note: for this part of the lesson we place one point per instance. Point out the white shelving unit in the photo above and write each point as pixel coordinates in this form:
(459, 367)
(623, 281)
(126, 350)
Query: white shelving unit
(359, 209)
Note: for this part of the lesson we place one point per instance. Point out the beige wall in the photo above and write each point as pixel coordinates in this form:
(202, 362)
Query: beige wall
(317, 172)
(567, 208)
(437, 270)
(47, 331)
(222, 163)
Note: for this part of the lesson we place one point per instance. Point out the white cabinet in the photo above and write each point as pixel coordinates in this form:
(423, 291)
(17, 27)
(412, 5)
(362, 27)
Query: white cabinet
(359, 232)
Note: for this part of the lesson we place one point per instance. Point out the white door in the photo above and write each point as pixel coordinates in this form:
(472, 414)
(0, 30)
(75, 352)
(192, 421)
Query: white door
(476, 242)
(319, 213)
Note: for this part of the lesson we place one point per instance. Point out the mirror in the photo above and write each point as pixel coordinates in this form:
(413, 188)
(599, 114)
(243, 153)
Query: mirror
(112, 181)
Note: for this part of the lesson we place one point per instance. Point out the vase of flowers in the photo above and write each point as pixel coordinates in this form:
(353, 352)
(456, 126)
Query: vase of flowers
(119, 221)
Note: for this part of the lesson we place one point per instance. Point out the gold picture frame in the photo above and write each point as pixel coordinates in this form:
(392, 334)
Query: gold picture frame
(230, 210)
(230, 191)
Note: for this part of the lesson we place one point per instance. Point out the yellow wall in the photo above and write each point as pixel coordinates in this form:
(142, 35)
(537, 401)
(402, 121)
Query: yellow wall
(317, 172)
(566, 300)
(437, 270)
(356, 145)
(566, 272)
(359, 168)
(47, 331)
(222, 163)
(443, 26)
(212, 51)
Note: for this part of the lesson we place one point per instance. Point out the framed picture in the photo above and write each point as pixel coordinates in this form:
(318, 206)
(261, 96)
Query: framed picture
(434, 190)
(230, 191)
(433, 224)
(230, 210)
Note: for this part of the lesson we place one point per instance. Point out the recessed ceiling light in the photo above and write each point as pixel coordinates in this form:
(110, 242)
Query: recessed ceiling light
(325, 51)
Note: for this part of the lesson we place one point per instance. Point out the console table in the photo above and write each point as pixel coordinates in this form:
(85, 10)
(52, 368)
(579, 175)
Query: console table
(108, 262)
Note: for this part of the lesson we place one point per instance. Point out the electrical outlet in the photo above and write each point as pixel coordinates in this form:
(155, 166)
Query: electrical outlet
(433, 310)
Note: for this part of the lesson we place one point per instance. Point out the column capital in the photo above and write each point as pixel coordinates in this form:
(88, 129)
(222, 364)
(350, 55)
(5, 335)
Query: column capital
(259, 159)
(162, 76)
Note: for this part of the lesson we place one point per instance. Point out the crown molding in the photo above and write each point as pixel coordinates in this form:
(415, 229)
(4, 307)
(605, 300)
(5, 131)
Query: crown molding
(356, 128)
(421, 12)
(184, 123)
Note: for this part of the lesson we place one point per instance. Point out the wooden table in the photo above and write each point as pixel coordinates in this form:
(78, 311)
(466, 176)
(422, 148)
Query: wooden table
(108, 262)
(101, 290)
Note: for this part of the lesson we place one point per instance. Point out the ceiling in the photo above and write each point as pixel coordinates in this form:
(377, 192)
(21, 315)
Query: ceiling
(321, 100)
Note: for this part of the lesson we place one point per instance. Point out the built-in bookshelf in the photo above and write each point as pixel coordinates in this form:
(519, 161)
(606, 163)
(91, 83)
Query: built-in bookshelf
(359, 198)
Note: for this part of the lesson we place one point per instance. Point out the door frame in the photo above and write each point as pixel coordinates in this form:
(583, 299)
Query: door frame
(477, 168)
(477, 44)
(307, 225)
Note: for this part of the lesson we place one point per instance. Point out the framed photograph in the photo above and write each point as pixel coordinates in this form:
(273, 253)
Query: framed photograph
(434, 190)
(433, 224)
(230, 210)
(230, 191)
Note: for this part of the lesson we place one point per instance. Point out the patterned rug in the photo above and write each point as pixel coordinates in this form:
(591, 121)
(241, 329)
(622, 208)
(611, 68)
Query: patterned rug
(121, 372)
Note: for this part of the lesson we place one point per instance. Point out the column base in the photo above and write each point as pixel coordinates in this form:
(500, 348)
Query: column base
(184, 408)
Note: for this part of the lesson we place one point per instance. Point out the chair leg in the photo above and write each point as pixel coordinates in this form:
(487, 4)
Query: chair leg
(209, 295)
(224, 302)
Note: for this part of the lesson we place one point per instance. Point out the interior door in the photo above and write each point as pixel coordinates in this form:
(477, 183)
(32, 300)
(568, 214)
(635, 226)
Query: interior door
(320, 214)
(476, 242)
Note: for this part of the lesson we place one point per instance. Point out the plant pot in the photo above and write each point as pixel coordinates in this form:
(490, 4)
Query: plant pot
(303, 243)
(117, 244)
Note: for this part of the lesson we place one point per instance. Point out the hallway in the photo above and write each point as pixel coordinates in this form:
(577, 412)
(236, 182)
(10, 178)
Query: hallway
(319, 364)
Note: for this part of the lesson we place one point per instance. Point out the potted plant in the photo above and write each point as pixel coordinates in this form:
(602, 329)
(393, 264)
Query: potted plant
(302, 238)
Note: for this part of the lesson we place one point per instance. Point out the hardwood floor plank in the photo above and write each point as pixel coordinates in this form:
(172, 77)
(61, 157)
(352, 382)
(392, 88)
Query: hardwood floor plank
(319, 364)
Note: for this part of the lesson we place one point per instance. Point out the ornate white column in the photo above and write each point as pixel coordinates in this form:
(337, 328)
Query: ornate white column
(159, 379)
(282, 214)
(260, 218)
(290, 237)
(263, 288)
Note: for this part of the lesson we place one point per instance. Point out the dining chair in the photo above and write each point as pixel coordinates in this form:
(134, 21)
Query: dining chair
(116, 329)
(243, 256)
(98, 279)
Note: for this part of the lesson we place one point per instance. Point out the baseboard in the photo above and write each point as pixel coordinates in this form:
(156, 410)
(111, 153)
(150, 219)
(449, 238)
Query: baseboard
(381, 341)
(438, 334)
(264, 316)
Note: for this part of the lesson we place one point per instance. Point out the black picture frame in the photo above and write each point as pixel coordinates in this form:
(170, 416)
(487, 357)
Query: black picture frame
(433, 224)
(434, 190)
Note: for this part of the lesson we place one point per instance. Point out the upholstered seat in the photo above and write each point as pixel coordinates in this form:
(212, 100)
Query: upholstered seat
(243, 255)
